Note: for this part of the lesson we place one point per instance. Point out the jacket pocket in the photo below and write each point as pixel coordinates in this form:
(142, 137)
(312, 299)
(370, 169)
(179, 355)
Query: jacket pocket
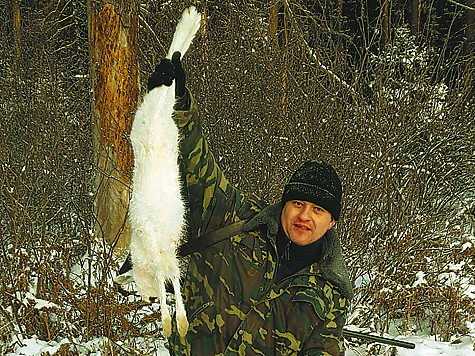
(316, 299)
(195, 294)
(200, 310)
(247, 246)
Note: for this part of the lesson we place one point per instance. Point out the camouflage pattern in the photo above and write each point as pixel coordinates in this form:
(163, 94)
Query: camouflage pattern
(233, 304)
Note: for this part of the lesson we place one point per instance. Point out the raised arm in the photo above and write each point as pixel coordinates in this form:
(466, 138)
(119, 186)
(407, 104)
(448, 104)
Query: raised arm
(212, 202)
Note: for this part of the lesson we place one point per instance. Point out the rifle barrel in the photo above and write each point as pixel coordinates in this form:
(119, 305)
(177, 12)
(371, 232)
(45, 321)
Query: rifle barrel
(382, 340)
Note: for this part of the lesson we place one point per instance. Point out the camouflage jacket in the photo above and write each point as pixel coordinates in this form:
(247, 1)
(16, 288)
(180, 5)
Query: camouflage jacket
(233, 304)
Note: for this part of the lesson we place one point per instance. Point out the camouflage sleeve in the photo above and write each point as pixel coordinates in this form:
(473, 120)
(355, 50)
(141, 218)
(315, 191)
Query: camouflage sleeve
(326, 339)
(212, 202)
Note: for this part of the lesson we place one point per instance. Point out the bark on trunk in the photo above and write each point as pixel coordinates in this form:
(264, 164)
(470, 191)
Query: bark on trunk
(274, 22)
(113, 32)
(470, 48)
(415, 16)
(385, 22)
(16, 31)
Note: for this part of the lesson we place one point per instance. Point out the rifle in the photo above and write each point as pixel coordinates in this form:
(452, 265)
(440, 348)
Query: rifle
(382, 340)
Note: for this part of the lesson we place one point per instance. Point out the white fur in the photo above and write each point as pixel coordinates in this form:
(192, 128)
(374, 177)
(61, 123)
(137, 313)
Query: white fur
(157, 207)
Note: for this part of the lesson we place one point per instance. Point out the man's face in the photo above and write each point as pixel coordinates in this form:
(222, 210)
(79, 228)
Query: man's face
(305, 222)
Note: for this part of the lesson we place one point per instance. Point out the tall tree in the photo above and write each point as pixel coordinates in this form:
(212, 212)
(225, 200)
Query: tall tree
(415, 16)
(16, 30)
(274, 20)
(470, 35)
(385, 21)
(113, 37)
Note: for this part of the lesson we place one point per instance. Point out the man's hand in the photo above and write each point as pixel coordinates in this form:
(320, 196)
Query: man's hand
(179, 75)
(166, 71)
(163, 75)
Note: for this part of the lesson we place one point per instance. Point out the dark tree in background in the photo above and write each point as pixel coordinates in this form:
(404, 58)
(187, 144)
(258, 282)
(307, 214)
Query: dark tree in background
(446, 25)
(470, 43)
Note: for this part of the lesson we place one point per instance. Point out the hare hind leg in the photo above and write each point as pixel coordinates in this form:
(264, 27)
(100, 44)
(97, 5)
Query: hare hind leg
(182, 321)
(166, 319)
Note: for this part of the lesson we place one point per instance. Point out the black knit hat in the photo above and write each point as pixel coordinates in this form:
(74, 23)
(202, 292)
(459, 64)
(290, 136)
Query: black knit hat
(318, 183)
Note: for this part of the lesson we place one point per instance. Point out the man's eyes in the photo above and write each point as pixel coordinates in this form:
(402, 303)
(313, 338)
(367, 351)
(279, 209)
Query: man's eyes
(314, 207)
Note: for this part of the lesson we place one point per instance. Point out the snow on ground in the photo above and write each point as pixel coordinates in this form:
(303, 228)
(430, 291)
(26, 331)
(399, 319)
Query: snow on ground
(96, 347)
(425, 346)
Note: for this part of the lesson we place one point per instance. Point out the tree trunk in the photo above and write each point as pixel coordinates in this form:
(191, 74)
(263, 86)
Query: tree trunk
(385, 23)
(113, 38)
(470, 47)
(340, 46)
(274, 22)
(415, 16)
(16, 31)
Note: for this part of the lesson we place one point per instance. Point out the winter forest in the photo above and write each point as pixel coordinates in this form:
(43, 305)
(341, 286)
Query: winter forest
(381, 89)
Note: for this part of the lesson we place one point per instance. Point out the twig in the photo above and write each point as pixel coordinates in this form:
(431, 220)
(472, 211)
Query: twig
(462, 5)
(312, 53)
(154, 35)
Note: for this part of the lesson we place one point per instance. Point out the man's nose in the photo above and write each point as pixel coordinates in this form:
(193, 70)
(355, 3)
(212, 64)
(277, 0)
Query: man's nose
(304, 213)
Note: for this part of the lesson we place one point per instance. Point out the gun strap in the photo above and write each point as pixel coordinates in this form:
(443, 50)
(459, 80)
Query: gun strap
(210, 238)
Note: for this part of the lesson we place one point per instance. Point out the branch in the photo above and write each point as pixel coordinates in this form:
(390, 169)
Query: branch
(312, 53)
(149, 29)
(462, 5)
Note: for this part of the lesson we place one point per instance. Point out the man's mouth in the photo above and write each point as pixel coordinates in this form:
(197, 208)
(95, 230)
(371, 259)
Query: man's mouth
(302, 227)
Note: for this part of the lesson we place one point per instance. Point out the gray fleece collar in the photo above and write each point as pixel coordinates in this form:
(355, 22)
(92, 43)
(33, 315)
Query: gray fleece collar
(332, 266)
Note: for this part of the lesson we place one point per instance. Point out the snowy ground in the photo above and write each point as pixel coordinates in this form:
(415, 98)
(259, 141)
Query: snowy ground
(425, 346)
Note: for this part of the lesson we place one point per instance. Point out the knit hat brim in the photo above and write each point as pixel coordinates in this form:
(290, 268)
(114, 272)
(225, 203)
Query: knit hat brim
(313, 194)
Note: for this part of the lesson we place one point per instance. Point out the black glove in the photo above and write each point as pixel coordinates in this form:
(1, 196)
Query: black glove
(163, 75)
(166, 71)
(179, 75)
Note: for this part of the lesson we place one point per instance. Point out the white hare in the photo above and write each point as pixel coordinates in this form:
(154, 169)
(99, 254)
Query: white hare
(157, 208)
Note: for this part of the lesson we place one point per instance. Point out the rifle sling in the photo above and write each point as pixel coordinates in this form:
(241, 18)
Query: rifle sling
(209, 239)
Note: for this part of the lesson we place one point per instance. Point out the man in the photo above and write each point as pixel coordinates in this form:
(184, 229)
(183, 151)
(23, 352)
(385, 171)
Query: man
(279, 285)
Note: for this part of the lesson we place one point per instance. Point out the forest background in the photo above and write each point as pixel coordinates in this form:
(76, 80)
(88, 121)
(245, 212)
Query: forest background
(383, 90)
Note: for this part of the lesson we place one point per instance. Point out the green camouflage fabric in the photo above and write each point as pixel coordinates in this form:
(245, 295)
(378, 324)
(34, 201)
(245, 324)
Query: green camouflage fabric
(234, 305)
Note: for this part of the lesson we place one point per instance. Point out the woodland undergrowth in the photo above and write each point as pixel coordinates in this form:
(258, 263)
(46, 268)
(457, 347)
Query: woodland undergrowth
(396, 122)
